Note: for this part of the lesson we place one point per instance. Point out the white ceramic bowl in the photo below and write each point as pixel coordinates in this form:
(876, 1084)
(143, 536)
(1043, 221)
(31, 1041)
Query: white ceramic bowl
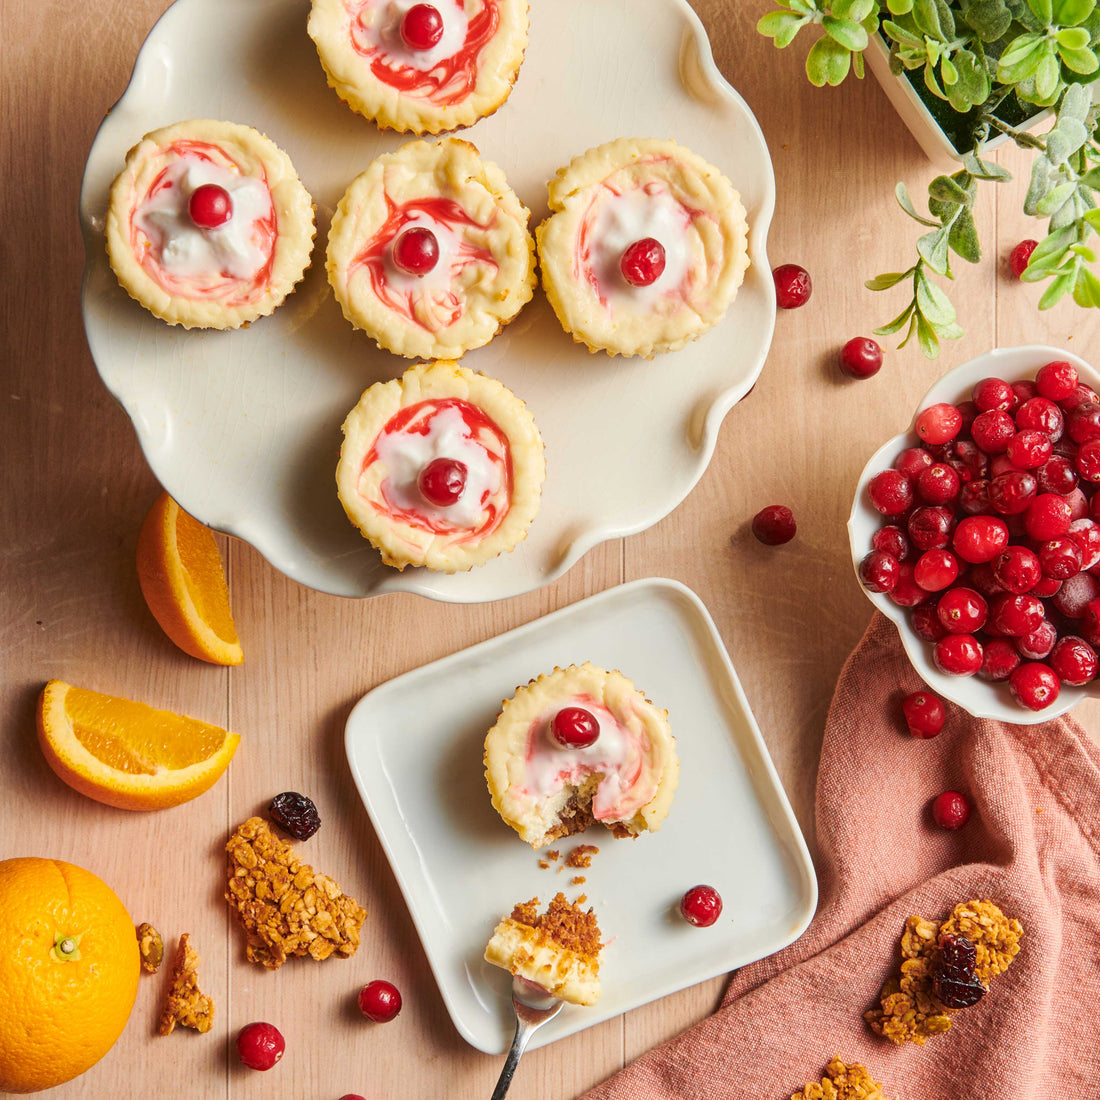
(976, 696)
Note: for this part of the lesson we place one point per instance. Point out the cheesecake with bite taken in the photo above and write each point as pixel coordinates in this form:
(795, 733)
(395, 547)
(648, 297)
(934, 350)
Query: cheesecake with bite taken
(209, 225)
(441, 468)
(558, 950)
(645, 247)
(421, 67)
(576, 747)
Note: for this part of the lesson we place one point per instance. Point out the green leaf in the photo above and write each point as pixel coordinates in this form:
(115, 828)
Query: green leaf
(781, 26)
(1081, 61)
(1073, 38)
(1092, 283)
(887, 280)
(897, 323)
(1093, 219)
(1043, 10)
(963, 238)
(931, 83)
(1057, 289)
(899, 7)
(1083, 250)
(855, 10)
(945, 189)
(827, 62)
(901, 193)
(1052, 244)
(1071, 13)
(1048, 75)
(984, 169)
(926, 338)
(926, 15)
(932, 248)
(948, 73)
(934, 305)
(989, 19)
(1056, 199)
(1022, 46)
(902, 35)
(850, 35)
(1067, 136)
(971, 85)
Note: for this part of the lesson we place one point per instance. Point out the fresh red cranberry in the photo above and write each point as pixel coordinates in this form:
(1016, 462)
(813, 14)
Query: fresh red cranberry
(701, 906)
(1083, 422)
(442, 481)
(958, 655)
(1078, 505)
(210, 206)
(950, 810)
(774, 525)
(961, 610)
(1090, 620)
(1060, 558)
(1056, 475)
(1073, 661)
(930, 527)
(969, 454)
(861, 357)
(1047, 517)
(980, 538)
(1025, 389)
(1015, 615)
(880, 571)
(1010, 493)
(352, 1096)
(379, 1001)
(1019, 256)
(1087, 463)
(913, 461)
(1086, 533)
(260, 1045)
(643, 262)
(906, 593)
(1016, 569)
(1081, 395)
(891, 492)
(1076, 594)
(993, 393)
(416, 250)
(1040, 414)
(1046, 587)
(1034, 685)
(1057, 380)
(974, 497)
(925, 621)
(992, 430)
(980, 577)
(939, 484)
(1001, 464)
(999, 658)
(574, 728)
(924, 714)
(938, 423)
(891, 540)
(934, 570)
(1036, 645)
(792, 286)
(1029, 449)
(422, 27)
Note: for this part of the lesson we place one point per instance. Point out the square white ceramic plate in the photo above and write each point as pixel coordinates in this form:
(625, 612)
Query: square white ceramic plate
(415, 749)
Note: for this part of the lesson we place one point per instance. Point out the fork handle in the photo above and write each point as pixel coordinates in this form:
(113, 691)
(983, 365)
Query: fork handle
(519, 1044)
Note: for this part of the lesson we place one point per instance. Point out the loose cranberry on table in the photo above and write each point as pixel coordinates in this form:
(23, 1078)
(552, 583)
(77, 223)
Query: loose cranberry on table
(643, 262)
(379, 1001)
(861, 357)
(260, 1045)
(210, 206)
(792, 286)
(701, 906)
(950, 810)
(1034, 685)
(774, 525)
(422, 27)
(574, 728)
(1018, 258)
(416, 250)
(924, 714)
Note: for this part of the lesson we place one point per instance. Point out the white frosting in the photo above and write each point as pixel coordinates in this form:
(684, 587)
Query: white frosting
(451, 259)
(622, 219)
(406, 453)
(615, 754)
(378, 27)
(185, 250)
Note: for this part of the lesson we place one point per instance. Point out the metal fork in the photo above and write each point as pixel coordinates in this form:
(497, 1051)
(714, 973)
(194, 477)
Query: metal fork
(533, 1007)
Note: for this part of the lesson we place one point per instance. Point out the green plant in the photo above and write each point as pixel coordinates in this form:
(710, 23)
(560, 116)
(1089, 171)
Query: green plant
(980, 57)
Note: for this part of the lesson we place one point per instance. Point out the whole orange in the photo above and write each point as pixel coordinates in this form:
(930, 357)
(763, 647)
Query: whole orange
(69, 970)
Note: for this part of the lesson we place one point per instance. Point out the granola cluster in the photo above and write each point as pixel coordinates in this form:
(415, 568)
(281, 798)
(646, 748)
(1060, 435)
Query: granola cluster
(150, 947)
(843, 1082)
(285, 907)
(562, 923)
(908, 1010)
(184, 1003)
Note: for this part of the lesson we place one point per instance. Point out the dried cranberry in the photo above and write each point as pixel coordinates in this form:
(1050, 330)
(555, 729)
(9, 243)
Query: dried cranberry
(295, 814)
(954, 981)
(1020, 255)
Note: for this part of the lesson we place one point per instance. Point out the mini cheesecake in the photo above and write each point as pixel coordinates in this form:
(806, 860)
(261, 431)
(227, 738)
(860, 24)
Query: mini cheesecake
(429, 251)
(645, 247)
(209, 225)
(420, 67)
(576, 747)
(558, 950)
(441, 468)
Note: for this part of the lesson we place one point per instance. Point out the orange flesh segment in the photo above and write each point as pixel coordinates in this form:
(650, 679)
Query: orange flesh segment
(199, 558)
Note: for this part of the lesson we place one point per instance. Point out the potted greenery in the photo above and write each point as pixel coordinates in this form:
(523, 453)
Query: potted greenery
(982, 68)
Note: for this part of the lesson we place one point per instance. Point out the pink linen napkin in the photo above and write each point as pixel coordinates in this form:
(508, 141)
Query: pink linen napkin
(1032, 845)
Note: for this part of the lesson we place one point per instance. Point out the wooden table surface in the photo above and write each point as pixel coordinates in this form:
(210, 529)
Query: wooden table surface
(76, 488)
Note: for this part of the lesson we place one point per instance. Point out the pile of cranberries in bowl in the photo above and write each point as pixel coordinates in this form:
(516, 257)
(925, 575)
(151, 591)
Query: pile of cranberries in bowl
(989, 535)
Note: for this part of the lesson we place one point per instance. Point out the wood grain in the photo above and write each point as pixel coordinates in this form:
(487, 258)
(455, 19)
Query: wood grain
(76, 488)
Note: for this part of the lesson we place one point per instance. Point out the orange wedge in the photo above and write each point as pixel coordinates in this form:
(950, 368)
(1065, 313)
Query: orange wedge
(183, 581)
(129, 754)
